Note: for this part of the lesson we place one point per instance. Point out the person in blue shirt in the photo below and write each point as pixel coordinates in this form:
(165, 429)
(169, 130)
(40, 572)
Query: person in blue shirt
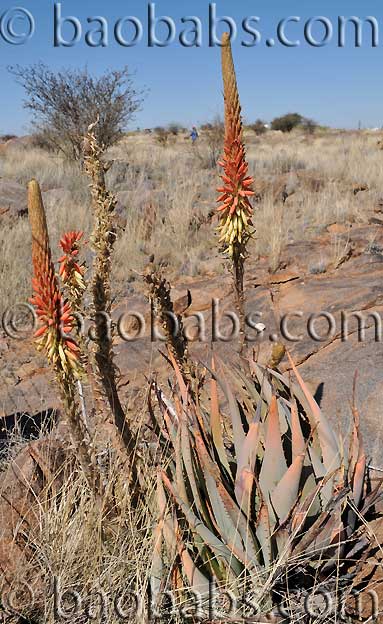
(194, 134)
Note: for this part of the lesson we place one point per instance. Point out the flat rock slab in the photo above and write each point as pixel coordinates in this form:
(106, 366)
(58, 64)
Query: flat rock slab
(330, 374)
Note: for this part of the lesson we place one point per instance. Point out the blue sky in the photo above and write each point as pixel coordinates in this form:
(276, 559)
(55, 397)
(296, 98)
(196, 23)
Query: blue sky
(337, 87)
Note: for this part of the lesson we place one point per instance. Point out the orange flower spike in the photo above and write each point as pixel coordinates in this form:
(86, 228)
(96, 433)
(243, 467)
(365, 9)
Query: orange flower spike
(71, 273)
(50, 308)
(236, 211)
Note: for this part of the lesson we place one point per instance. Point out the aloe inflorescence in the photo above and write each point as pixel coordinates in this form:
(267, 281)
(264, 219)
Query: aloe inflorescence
(54, 334)
(235, 210)
(54, 314)
(71, 271)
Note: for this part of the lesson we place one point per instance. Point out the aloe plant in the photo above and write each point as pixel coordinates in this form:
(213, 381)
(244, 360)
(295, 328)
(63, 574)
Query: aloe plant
(260, 491)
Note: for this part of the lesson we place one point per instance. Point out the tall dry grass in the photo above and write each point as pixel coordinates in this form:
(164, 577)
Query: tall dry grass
(81, 571)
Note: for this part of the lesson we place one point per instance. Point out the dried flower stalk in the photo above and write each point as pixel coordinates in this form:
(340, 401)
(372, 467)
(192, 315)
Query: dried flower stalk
(103, 239)
(171, 322)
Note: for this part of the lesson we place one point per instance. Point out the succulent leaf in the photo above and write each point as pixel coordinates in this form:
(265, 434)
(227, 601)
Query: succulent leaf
(274, 463)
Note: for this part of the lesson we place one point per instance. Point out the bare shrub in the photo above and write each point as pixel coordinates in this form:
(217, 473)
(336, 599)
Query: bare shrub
(63, 104)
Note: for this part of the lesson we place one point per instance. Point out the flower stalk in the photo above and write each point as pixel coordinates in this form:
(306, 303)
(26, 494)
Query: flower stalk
(235, 210)
(103, 239)
(163, 311)
(54, 333)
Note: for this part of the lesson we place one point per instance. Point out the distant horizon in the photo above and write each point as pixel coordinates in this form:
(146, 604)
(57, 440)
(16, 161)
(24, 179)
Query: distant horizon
(134, 128)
